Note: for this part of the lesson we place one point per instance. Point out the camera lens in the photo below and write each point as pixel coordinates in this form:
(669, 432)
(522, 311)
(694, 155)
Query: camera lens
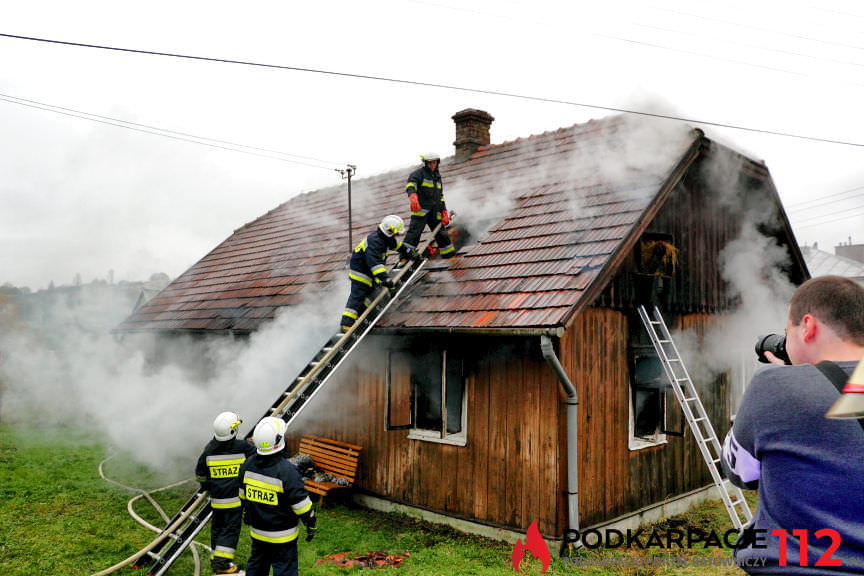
(774, 343)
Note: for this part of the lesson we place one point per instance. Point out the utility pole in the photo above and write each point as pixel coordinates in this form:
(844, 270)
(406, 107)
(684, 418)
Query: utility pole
(348, 172)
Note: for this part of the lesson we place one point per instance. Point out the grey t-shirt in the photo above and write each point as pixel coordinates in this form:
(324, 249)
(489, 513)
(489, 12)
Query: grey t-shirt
(809, 470)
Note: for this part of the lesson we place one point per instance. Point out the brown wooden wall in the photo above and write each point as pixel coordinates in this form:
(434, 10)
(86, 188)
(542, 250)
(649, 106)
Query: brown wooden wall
(613, 479)
(703, 214)
(506, 475)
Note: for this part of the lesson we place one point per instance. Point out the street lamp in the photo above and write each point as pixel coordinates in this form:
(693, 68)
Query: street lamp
(348, 172)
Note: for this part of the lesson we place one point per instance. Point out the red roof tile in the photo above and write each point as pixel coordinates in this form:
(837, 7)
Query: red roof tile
(559, 204)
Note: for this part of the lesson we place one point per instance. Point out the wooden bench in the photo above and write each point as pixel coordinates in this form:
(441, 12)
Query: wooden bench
(337, 458)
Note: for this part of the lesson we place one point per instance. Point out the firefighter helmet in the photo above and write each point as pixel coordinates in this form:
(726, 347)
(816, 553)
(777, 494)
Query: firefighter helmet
(225, 426)
(391, 225)
(269, 435)
(429, 156)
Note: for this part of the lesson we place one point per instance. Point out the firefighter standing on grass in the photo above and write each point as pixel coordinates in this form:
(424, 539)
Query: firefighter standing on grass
(275, 500)
(218, 471)
(368, 266)
(426, 194)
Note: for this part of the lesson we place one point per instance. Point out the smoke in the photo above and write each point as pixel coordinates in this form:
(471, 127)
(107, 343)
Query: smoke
(479, 208)
(752, 266)
(626, 156)
(65, 367)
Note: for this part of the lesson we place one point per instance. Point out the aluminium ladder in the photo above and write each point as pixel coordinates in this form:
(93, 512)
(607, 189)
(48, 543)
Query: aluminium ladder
(694, 412)
(295, 397)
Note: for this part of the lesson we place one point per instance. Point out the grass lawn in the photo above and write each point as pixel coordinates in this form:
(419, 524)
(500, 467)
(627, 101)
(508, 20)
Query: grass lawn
(57, 516)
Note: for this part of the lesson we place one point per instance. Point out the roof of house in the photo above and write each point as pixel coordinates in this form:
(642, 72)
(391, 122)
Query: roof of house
(821, 263)
(546, 214)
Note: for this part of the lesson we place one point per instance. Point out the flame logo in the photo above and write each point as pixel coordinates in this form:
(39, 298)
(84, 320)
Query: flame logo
(535, 544)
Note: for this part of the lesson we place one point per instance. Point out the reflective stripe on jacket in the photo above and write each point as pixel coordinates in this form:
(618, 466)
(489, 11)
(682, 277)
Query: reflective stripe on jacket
(429, 189)
(218, 470)
(368, 262)
(274, 498)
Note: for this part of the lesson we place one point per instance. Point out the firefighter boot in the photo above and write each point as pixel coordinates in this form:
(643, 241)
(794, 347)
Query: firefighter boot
(225, 566)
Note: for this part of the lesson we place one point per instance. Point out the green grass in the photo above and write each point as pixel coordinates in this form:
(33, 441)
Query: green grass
(57, 516)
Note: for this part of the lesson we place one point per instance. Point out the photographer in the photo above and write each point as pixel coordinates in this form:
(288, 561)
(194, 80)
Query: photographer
(809, 470)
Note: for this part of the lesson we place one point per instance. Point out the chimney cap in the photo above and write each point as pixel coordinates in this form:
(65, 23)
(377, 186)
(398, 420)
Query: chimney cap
(472, 114)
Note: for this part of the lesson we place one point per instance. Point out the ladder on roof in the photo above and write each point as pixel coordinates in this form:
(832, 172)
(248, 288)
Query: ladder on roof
(289, 404)
(694, 412)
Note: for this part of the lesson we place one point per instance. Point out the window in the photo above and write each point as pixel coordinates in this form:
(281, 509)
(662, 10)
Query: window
(648, 390)
(426, 395)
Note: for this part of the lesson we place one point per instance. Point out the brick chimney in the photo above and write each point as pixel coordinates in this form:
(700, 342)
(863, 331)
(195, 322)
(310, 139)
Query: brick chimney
(472, 131)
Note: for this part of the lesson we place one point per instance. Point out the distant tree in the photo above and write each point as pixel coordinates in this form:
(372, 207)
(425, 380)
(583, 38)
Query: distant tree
(77, 280)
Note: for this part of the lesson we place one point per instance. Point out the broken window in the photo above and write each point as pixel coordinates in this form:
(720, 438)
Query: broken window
(648, 390)
(426, 395)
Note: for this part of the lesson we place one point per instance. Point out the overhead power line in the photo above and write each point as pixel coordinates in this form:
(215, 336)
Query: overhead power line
(442, 86)
(827, 199)
(175, 135)
(837, 219)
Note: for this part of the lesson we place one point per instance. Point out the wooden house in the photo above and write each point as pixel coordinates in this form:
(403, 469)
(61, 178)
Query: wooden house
(455, 397)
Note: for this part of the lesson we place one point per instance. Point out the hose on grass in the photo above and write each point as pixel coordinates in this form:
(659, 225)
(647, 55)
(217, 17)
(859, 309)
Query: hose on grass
(163, 533)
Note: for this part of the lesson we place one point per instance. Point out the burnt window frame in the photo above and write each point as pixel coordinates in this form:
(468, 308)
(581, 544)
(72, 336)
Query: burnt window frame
(640, 348)
(451, 364)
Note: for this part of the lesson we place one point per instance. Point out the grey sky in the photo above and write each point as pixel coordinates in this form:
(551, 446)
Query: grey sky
(83, 197)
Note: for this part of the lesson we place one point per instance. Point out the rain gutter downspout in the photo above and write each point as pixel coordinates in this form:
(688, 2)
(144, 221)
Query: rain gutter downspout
(572, 443)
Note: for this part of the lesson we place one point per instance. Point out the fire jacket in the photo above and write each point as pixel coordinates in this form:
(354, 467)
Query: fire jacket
(370, 256)
(218, 470)
(274, 498)
(429, 189)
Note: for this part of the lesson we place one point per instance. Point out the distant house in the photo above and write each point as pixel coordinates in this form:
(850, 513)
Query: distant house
(821, 263)
(455, 397)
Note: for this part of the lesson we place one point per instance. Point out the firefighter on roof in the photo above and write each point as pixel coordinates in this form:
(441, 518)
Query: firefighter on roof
(218, 471)
(368, 266)
(426, 194)
(275, 501)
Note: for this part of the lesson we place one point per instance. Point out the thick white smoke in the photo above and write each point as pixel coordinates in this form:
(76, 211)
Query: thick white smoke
(68, 368)
(751, 265)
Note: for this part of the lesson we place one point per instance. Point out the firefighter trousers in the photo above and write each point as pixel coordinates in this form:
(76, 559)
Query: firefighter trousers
(282, 557)
(224, 534)
(415, 229)
(358, 300)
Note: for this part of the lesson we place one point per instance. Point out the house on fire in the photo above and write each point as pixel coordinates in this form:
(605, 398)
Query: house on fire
(469, 409)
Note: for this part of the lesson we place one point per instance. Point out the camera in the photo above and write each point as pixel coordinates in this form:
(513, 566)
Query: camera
(774, 343)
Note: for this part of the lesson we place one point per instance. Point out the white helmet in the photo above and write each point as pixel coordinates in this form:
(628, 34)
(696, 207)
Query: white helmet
(391, 225)
(225, 426)
(269, 435)
(430, 156)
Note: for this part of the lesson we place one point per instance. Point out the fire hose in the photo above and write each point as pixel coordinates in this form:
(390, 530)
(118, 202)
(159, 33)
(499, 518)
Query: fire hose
(163, 533)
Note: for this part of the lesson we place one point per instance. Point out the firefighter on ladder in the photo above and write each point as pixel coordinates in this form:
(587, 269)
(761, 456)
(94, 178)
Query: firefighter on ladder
(368, 266)
(218, 471)
(426, 194)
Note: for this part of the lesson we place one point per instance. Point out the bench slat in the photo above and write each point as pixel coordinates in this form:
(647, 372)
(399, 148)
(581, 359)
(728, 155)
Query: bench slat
(337, 458)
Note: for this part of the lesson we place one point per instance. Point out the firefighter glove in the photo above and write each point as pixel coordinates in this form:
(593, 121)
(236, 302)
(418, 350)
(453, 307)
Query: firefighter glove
(415, 202)
(388, 283)
(311, 522)
(445, 218)
(310, 533)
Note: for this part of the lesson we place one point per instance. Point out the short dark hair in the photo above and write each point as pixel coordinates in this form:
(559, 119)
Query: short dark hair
(836, 301)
